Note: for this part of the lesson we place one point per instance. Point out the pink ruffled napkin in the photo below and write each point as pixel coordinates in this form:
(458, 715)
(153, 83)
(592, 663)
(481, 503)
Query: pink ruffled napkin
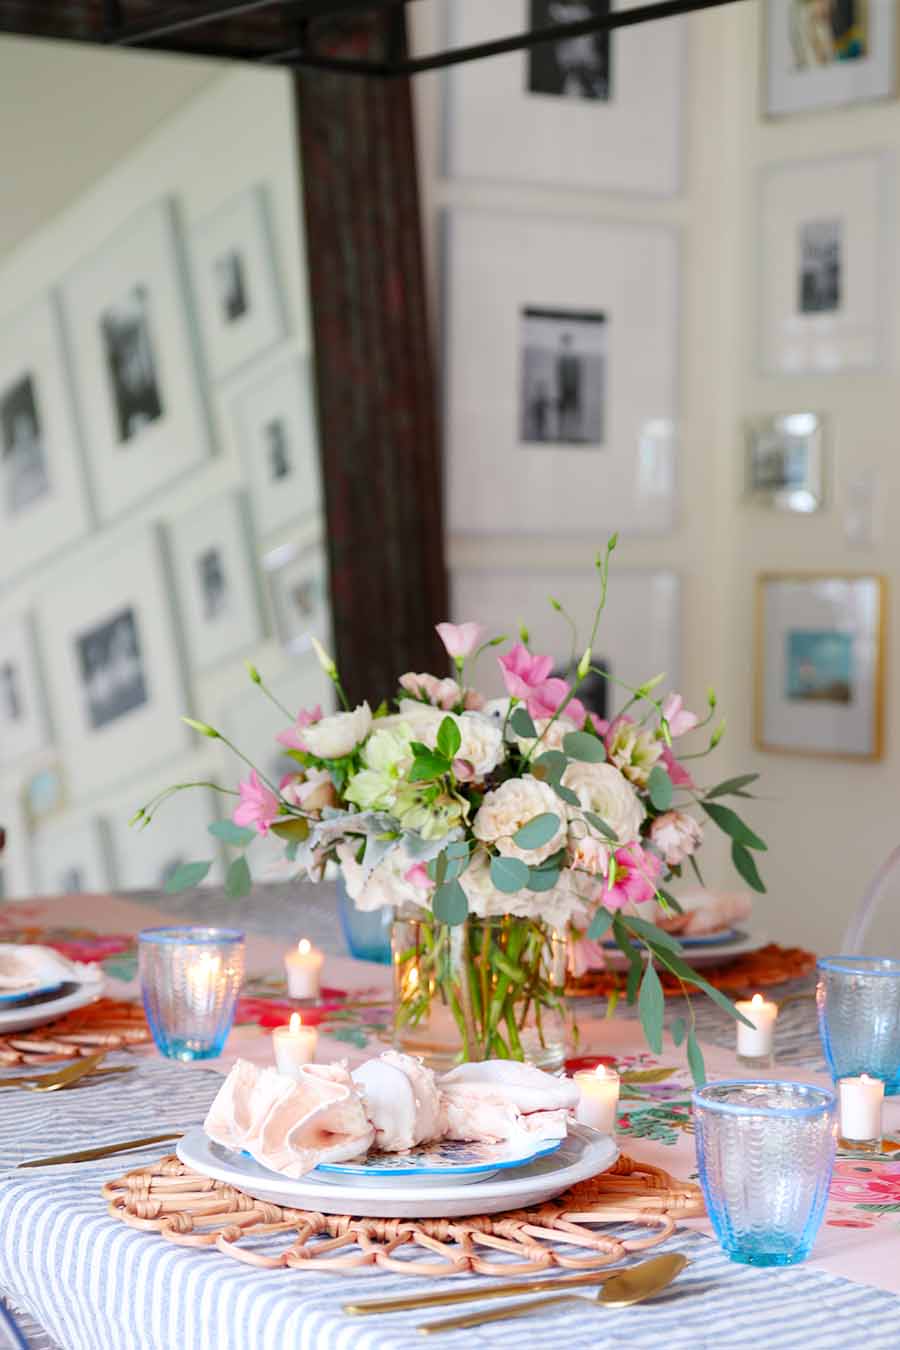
(401, 1100)
(707, 912)
(27, 967)
(501, 1100)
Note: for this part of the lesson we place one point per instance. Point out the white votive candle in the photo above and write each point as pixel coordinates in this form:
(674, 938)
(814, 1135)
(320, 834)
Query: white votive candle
(304, 968)
(599, 1098)
(202, 978)
(755, 1042)
(861, 1102)
(294, 1046)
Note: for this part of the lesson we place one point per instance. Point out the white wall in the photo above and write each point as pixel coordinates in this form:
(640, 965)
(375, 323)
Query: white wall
(828, 823)
(236, 132)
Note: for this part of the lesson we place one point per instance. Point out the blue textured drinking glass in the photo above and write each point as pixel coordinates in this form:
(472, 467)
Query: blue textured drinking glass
(858, 1000)
(366, 932)
(190, 981)
(765, 1151)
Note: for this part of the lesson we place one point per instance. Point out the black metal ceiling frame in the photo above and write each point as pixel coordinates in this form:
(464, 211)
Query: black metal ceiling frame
(305, 18)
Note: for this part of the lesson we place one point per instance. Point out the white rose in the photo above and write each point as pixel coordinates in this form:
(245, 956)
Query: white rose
(482, 742)
(386, 884)
(422, 718)
(602, 789)
(555, 908)
(338, 735)
(508, 808)
(550, 735)
(677, 836)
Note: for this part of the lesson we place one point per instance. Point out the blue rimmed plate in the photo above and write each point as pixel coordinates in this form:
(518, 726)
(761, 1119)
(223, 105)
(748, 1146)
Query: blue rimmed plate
(437, 1163)
(714, 939)
(30, 995)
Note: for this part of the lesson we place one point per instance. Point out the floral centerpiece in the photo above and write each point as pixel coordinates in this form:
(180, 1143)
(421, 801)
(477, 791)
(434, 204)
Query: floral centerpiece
(509, 834)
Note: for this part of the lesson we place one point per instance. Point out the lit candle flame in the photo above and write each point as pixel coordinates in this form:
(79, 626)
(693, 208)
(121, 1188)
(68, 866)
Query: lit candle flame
(304, 946)
(296, 1021)
(600, 1071)
(757, 1001)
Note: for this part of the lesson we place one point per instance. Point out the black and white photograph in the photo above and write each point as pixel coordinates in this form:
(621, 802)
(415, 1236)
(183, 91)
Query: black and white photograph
(213, 583)
(275, 419)
(131, 363)
(298, 588)
(230, 278)
(563, 389)
(278, 453)
(23, 460)
(819, 281)
(111, 668)
(574, 67)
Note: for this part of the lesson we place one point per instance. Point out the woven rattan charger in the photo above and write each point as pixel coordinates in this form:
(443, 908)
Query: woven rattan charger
(107, 1024)
(192, 1210)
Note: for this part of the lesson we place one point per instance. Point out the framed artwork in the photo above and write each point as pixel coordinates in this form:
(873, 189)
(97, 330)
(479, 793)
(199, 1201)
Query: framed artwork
(112, 659)
(639, 630)
(238, 296)
(134, 362)
(561, 375)
(15, 860)
(145, 859)
(828, 55)
(44, 501)
(216, 580)
(72, 859)
(24, 724)
(820, 664)
(297, 576)
(602, 111)
(785, 461)
(276, 426)
(822, 264)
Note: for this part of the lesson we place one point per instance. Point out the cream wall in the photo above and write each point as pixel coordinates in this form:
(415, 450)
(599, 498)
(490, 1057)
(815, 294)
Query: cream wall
(827, 823)
(234, 129)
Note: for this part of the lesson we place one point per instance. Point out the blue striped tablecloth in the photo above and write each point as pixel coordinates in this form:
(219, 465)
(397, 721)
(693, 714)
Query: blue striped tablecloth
(95, 1284)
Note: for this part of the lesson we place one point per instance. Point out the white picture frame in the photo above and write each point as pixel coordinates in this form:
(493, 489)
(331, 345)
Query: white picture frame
(16, 881)
(639, 632)
(145, 857)
(803, 71)
(785, 461)
(216, 580)
(24, 720)
(820, 664)
(823, 264)
(502, 271)
(498, 128)
(72, 858)
(297, 578)
(44, 498)
(113, 665)
(275, 422)
(135, 362)
(238, 297)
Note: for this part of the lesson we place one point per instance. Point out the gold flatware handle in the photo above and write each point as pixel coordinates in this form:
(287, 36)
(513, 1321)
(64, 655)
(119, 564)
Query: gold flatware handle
(27, 1079)
(70, 1073)
(88, 1154)
(508, 1289)
(528, 1307)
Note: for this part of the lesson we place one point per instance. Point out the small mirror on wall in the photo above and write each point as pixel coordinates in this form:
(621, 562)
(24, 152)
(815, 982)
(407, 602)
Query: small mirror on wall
(785, 461)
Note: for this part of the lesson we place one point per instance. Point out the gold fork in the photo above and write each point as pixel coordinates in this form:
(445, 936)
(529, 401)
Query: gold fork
(52, 1082)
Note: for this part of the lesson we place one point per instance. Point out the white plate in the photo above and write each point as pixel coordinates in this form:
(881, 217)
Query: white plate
(21, 995)
(705, 956)
(439, 1163)
(583, 1154)
(22, 1019)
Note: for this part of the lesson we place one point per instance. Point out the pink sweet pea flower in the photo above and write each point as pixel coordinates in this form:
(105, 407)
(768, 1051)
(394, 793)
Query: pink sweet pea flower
(528, 677)
(291, 739)
(258, 805)
(460, 639)
(677, 772)
(417, 875)
(677, 716)
(636, 875)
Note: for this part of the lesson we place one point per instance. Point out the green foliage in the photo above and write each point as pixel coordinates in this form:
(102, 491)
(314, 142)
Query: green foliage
(238, 835)
(553, 762)
(651, 933)
(509, 874)
(542, 878)
(522, 724)
(293, 828)
(695, 1059)
(745, 864)
(449, 738)
(600, 824)
(733, 787)
(673, 962)
(651, 1006)
(186, 876)
(237, 880)
(584, 746)
(538, 831)
(669, 899)
(450, 905)
(565, 794)
(659, 788)
(600, 925)
(678, 1030)
(730, 822)
(427, 764)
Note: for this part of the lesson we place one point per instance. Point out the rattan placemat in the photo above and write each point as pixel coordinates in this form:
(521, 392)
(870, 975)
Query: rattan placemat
(769, 965)
(192, 1210)
(109, 1024)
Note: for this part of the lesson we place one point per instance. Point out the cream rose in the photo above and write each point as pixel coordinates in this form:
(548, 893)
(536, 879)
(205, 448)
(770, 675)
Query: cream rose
(677, 836)
(550, 735)
(508, 808)
(605, 791)
(556, 907)
(386, 884)
(482, 742)
(311, 792)
(338, 735)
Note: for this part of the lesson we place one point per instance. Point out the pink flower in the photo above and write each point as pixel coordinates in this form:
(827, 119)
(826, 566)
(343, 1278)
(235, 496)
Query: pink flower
(676, 835)
(677, 772)
(585, 955)
(528, 677)
(258, 805)
(417, 875)
(460, 639)
(291, 738)
(636, 876)
(677, 716)
(444, 694)
(600, 725)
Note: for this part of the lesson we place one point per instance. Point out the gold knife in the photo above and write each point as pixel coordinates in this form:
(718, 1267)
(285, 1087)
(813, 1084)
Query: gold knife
(88, 1154)
(410, 1302)
(96, 1072)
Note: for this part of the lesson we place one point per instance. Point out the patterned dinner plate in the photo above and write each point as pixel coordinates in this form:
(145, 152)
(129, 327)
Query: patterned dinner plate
(20, 996)
(441, 1161)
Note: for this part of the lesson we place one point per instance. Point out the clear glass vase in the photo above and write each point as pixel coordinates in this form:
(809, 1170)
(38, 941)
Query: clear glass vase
(484, 989)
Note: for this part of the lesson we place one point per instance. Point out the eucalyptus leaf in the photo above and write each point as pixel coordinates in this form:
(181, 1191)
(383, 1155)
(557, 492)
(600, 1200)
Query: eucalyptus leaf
(733, 786)
(509, 874)
(600, 925)
(678, 1030)
(674, 963)
(565, 794)
(449, 738)
(458, 849)
(237, 879)
(581, 745)
(291, 827)
(238, 835)
(522, 724)
(730, 822)
(542, 878)
(450, 905)
(600, 824)
(659, 788)
(695, 868)
(695, 1060)
(670, 900)
(745, 864)
(651, 933)
(437, 869)
(186, 876)
(554, 762)
(651, 1007)
(538, 831)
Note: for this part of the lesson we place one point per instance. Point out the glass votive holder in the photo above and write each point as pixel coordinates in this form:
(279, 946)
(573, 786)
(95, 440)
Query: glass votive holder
(765, 1151)
(858, 1002)
(190, 981)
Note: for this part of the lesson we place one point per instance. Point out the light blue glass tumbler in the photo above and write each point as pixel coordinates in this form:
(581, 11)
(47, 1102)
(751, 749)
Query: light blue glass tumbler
(765, 1152)
(190, 981)
(858, 1001)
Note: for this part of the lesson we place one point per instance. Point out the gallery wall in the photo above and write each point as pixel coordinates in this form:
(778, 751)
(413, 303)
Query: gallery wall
(828, 821)
(189, 524)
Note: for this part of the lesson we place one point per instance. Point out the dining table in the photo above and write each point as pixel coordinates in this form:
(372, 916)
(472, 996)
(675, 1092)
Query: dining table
(73, 1276)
